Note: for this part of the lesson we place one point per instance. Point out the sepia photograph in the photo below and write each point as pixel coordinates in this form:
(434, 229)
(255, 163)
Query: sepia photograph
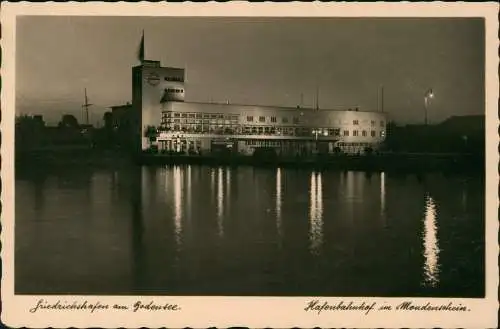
(250, 156)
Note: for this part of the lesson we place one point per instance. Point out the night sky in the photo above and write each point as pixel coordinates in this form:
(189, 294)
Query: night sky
(267, 61)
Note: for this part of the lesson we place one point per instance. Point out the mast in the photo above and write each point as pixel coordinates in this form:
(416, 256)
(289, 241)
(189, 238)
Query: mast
(86, 106)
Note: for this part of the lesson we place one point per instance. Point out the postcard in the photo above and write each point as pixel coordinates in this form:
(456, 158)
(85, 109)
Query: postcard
(249, 164)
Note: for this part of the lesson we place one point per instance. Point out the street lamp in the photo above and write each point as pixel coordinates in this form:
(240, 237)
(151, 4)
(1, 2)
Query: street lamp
(428, 95)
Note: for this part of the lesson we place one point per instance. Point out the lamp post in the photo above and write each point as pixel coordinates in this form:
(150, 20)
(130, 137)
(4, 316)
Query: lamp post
(428, 96)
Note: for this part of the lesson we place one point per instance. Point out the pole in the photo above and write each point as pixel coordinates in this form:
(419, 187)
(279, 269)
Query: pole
(425, 110)
(86, 108)
(382, 99)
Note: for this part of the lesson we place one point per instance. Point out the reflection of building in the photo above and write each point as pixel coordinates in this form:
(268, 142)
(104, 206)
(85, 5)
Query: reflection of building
(158, 105)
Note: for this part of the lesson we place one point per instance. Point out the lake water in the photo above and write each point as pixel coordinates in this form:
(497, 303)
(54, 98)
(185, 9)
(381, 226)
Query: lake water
(199, 230)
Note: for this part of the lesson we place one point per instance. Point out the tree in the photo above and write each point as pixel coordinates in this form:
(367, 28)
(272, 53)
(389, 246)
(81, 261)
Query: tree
(68, 121)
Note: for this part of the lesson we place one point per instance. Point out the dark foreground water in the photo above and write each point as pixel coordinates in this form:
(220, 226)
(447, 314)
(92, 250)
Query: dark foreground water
(191, 230)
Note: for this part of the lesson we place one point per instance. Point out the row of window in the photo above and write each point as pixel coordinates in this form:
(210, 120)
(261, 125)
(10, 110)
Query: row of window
(178, 79)
(353, 144)
(373, 123)
(172, 90)
(263, 143)
(249, 118)
(253, 130)
(232, 117)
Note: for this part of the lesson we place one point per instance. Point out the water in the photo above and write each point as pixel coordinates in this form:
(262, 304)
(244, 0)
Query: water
(199, 230)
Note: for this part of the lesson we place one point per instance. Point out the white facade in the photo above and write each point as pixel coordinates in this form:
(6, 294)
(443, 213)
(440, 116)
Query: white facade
(188, 126)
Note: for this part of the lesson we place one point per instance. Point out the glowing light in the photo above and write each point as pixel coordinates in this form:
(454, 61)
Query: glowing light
(382, 194)
(178, 205)
(316, 213)
(278, 201)
(431, 247)
(220, 202)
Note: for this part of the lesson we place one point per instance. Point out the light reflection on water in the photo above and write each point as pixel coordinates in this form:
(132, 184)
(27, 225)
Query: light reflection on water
(178, 205)
(431, 246)
(316, 213)
(325, 225)
(278, 202)
(220, 202)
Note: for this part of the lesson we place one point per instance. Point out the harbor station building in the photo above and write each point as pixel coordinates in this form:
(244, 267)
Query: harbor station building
(159, 108)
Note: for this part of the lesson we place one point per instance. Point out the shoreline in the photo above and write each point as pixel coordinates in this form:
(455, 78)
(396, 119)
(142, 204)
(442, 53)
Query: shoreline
(407, 162)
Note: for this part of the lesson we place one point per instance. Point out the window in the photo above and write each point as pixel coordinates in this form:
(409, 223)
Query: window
(198, 115)
(273, 119)
(184, 115)
(285, 120)
(373, 123)
(266, 130)
(234, 117)
(206, 116)
(336, 132)
(382, 133)
(177, 115)
(262, 119)
(260, 130)
(295, 120)
(364, 133)
(213, 116)
(355, 122)
(355, 133)
(191, 115)
(373, 133)
(249, 118)
(220, 116)
(346, 132)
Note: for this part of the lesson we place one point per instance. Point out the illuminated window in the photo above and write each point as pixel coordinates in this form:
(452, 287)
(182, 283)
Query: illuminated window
(382, 133)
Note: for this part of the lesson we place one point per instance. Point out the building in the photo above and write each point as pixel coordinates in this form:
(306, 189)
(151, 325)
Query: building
(161, 118)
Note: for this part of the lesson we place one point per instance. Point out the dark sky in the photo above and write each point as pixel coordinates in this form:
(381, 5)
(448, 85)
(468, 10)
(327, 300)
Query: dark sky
(268, 61)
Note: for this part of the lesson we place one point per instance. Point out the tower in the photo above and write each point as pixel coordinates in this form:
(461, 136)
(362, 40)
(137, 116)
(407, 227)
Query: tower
(153, 86)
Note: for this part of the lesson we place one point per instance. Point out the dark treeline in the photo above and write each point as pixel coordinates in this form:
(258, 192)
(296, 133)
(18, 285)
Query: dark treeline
(455, 135)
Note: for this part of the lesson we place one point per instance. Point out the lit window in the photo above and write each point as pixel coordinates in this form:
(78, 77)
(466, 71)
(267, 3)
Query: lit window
(262, 119)
(382, 133)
